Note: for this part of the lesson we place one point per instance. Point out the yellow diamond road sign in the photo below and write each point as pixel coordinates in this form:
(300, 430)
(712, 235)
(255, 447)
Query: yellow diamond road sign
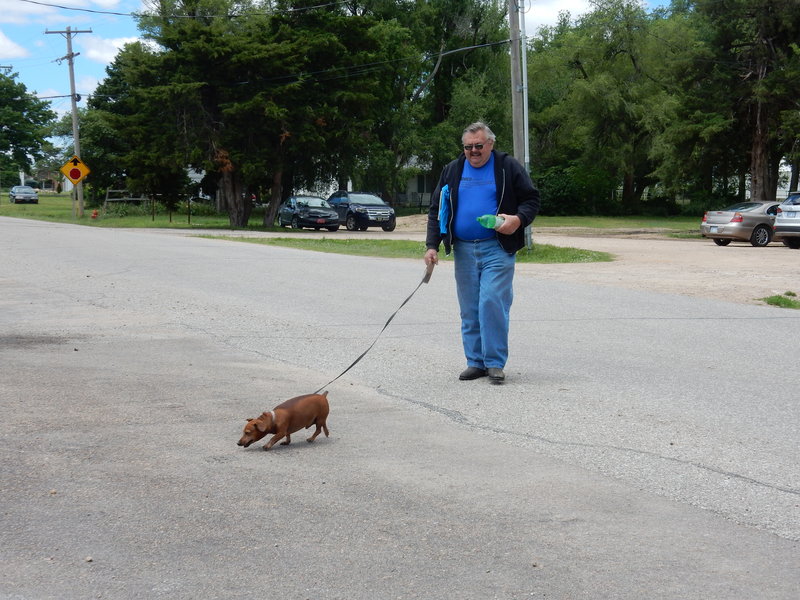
(75, 170)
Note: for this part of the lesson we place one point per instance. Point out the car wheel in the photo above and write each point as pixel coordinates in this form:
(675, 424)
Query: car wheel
(390, 226)
(333, 228)
(295, 223)
(793, 243)
(350, 223)
(721, 242)
(761, 236)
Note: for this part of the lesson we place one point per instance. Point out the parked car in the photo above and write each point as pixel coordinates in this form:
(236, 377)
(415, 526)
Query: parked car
(23, 193)
(745, 221)
(308, 211)
(787, 221)
(359, 210)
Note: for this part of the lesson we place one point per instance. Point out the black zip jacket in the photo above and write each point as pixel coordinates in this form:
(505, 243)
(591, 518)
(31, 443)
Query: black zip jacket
(516, 195)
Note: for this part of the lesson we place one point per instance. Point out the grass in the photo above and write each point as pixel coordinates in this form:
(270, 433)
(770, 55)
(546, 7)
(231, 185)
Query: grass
(785, 300)
(540, 253)
(59, 208)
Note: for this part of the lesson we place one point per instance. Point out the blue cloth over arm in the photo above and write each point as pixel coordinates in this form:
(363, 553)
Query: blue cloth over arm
(444, 209)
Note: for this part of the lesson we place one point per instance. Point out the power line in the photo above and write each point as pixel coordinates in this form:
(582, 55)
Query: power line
(341, 72)
(137, 15)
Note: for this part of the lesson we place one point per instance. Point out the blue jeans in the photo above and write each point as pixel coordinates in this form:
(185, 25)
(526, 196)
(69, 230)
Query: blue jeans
(484, 282)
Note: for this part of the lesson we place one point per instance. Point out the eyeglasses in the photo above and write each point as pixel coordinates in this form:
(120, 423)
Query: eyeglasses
(469, 147)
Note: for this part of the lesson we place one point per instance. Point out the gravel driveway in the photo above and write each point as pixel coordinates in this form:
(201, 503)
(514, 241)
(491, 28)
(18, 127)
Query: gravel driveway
(699, 268)
(650, 260)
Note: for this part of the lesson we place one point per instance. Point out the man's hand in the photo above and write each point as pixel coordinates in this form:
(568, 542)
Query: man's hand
(511, 224)
(431, 257)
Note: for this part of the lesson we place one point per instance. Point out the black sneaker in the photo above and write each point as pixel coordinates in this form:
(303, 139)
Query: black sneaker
(471, 373)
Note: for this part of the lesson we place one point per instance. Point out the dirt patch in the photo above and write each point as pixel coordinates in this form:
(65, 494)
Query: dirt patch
(650, 260)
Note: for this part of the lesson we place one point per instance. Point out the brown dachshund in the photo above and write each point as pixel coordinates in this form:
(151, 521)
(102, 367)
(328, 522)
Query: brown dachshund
(283, 420)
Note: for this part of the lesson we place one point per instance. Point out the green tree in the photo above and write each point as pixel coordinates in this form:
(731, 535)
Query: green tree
(24, 122)
(290, 94)
(260, 98)
(592, 119)
(759, 38)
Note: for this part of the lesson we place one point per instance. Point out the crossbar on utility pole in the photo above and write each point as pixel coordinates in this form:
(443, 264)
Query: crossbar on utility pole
(69, 33)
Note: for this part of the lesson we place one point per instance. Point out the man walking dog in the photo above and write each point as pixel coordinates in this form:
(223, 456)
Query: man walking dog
(482, 181)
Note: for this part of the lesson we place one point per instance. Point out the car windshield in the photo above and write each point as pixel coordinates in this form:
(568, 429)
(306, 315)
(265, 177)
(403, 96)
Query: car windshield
(312, 201)
(367, 199)
(743, 207)
(23, 189)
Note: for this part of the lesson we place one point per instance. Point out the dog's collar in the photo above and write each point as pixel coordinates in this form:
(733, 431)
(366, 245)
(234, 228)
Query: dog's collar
(271, 414)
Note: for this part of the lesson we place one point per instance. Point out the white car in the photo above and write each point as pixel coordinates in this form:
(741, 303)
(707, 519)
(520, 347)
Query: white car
(787, 221)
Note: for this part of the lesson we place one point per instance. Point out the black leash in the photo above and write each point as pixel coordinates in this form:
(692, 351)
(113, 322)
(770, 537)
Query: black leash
(425, 279)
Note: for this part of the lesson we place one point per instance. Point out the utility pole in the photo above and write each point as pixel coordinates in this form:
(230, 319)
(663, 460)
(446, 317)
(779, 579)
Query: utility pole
(519, 93)
(517, 104)
(69, 33)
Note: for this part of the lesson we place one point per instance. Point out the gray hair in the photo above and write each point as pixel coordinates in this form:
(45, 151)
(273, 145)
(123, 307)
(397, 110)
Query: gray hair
(479, 126)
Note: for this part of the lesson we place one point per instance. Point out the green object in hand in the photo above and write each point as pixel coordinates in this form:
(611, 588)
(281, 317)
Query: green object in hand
(491, 221)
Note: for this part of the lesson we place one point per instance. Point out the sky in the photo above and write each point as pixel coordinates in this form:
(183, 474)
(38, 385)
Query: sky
(38, 57)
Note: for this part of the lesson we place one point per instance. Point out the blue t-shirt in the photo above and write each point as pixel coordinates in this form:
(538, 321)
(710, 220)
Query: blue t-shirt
(477, 195)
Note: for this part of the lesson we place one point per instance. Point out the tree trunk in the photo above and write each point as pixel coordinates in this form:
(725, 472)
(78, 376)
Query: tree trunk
(275, 199)
(629, 194)
(793, 179)
(238, 206)
(760, 185)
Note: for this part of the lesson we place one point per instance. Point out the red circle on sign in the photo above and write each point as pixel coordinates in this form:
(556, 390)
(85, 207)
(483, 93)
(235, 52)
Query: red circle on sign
(75, 173)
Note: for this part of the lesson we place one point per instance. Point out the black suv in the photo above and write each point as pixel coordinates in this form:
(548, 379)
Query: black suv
(359, 210)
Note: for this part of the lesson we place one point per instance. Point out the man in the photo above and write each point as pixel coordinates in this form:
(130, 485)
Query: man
(482, 181)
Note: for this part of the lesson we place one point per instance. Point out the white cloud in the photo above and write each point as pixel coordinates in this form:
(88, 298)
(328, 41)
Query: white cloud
(9, 49)
(545, 12)
(103, 50)
(24, 13)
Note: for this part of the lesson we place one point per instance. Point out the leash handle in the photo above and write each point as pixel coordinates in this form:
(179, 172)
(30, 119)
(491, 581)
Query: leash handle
(428, 272)
(425, 279)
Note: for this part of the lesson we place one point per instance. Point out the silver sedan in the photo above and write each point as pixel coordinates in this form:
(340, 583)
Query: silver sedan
(745, 221)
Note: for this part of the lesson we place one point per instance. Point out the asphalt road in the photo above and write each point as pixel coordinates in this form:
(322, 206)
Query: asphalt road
(644, 446)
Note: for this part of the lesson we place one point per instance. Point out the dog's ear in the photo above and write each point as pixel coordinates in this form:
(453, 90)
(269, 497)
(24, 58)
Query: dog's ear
(261, 425)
